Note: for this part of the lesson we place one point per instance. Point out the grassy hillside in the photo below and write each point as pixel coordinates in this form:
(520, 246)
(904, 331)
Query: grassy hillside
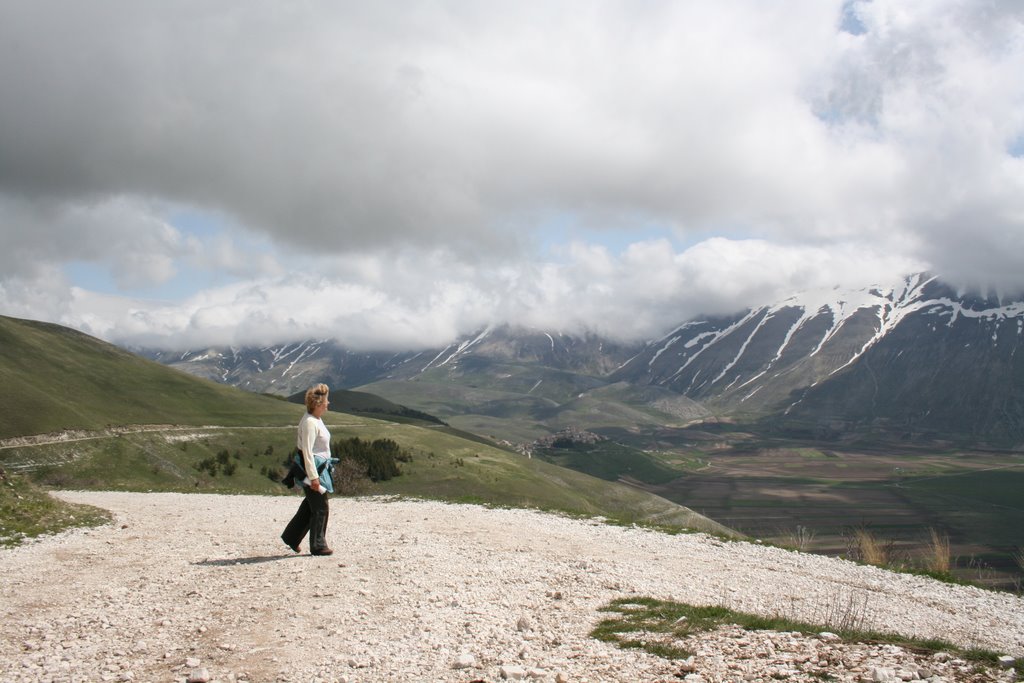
(448, 467)
(215, 438)
(444, 466)
(53, 378)
(26, 511)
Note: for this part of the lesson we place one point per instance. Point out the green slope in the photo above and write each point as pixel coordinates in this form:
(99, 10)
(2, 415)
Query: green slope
(27, 511)
(53, 378)
(452, 468)
(444, 466)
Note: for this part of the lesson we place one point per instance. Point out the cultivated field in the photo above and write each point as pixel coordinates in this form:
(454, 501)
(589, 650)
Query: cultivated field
(977, 499)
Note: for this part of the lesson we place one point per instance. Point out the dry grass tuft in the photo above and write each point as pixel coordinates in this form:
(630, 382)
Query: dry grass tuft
(846, 612)
(937, 553)
(868, 548)
(802, 538)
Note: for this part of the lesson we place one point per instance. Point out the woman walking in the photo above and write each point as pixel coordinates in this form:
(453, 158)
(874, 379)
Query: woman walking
(314, 445)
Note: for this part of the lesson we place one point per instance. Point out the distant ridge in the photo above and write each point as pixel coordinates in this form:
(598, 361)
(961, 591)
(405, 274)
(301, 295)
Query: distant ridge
(364, 403)
(915, 360)
(907, 361)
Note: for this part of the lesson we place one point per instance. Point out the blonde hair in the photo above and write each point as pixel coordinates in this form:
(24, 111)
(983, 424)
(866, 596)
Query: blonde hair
(316, 397)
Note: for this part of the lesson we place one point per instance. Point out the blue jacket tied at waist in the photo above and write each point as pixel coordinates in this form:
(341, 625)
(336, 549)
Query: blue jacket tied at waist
(324, 468)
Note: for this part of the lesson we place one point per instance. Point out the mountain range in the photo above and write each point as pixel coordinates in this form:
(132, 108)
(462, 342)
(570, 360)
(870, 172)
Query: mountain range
(917, 360)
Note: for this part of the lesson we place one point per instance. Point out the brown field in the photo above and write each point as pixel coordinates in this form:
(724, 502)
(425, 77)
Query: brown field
(977, 499)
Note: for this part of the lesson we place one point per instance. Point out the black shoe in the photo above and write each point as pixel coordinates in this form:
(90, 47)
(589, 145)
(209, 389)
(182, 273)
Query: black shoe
(322, 551)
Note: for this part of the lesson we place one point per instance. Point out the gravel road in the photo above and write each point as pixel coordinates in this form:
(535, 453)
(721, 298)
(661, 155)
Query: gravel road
(199, 587)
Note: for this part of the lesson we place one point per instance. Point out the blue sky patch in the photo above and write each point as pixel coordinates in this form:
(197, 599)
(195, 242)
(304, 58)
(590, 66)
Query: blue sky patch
(849, 21)
(1016, 147)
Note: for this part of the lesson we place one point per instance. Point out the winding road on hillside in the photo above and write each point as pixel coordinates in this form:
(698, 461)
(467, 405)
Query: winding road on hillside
(199, 587)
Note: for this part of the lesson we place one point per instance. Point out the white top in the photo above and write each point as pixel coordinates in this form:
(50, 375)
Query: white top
(313, 439)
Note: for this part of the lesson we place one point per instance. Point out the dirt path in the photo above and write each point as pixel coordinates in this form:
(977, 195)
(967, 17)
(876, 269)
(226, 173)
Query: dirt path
(173, 432)
(420, 591)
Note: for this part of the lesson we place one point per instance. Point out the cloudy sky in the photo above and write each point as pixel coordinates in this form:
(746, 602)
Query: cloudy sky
(395, 174)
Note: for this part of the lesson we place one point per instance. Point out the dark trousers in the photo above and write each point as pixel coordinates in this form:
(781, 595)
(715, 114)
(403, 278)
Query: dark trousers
(311, 517)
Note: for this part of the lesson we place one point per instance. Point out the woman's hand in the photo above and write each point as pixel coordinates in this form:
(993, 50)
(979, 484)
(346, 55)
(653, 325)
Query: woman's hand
(315, 484)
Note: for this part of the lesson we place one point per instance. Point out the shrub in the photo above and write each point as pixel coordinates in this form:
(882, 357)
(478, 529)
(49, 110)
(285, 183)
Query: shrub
(379, 459)
(350, 477)
(207, 465)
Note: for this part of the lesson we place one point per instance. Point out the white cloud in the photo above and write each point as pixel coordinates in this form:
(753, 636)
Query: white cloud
(406, 157)
(652, 288)
(127, 236)
(424, 303)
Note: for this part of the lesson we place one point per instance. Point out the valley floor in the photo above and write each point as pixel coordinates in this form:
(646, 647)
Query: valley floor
(425, 591)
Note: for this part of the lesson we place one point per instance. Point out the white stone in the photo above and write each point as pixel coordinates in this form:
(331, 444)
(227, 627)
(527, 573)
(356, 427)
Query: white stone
(464, 661)
(512, 673)
(880, 674)
(200, 675)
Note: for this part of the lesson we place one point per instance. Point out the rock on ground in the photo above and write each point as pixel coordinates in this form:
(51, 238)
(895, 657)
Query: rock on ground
(189, 587)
